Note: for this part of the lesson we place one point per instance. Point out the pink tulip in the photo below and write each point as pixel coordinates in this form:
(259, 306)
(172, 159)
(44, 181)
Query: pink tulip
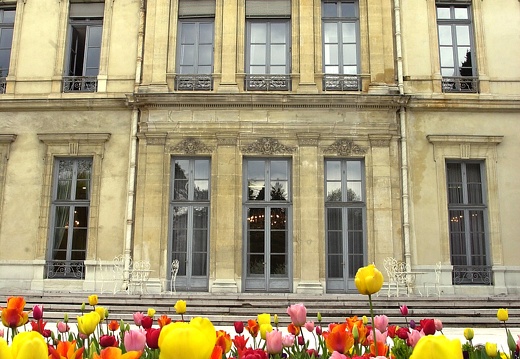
(298, 314)
(337, 355)
(404, 309)
(62, 327)
(380, 337)
(138, 317)
(381, 322)
(273, 340)
(309, 326)
(135, 339)
(438, 325)
(38, 312)
(1, 333)
(413, 337)
(288, 340)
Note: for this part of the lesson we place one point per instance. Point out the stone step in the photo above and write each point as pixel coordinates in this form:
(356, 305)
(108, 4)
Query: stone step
(224, 309)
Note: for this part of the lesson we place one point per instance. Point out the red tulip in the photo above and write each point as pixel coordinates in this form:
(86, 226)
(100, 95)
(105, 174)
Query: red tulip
(404, 309)
(402, 333)
(152, 338)
(428, 326)
(239, 327)
(108, 341)
(38, 312)
(240, 342)
(146, 322)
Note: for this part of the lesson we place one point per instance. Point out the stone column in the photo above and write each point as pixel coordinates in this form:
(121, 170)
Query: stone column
(228, 82)
(307, 214)
(307, 55)
(156, 45)
(226, 249)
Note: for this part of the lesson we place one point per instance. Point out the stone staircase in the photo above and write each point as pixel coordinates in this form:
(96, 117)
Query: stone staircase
(224, 309)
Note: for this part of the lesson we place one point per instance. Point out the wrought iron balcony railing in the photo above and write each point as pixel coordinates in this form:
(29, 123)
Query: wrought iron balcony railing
(268, 82)
(478, 275)
(80, 83)
(193, 83)
(65, 269)
(2, 85)
(341, 82)
(460, 84)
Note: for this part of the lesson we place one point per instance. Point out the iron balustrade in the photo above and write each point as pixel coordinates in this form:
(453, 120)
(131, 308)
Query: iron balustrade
(341, 82)
(460, 84)
(193, 83)
(3, 85)
(268, 82)
(478, 275)
(65, 269)
(79, 83)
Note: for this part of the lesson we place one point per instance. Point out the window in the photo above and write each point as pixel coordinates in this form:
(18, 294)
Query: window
(467, 223)
(267, 210)
(195, 45)
(84, 47)
(345, 222)
(456, 49)
(189, 208)
(6, 39)
(341, 45)
(268, 45)
(70, 213)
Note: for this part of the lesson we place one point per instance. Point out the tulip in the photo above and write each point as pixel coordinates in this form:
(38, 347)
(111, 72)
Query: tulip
(163, 320)
(469, 333)
(113, 325)
(264, 319)
(138, 317)
(288, 340)
(87, 323)
(309, 326)
(147, 322)
(13, 316)
(135, 339)
(29, 345)
(240, 342)
(152, 338)
(337, 355)
(150, 312)
(438, 325)
(404, 310)
(116, 353)
(101, 311)
(413, 338)
(252, 327)
(5, 351)
(491, 349)
(62, 327)
(182, 340)
(318, 316)
(180, 307)
(38, 312)
(437, 346)
(239, 327)
(428, 326)
(93, 299)
(223, 341)
(402, 333)
(381, 322)
(273, 341)
(275, 319)
(502, 315)
(108, 341)
(298, 314)
(368, 280)
(339, 339)
(264, 329)
(66, 350)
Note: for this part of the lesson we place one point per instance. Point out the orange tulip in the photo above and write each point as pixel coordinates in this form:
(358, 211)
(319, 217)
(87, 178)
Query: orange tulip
(116, 353)
(13, 316)
(65, 350)
(252, 327)
(339, 339)
(223, 340)
(163, 320)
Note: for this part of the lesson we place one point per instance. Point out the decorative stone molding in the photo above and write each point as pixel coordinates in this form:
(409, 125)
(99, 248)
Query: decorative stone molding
(345, 147)
(190, 146)
(379, 140)
(267, 146)
(154, 139)
(308, 139)
(226, 139)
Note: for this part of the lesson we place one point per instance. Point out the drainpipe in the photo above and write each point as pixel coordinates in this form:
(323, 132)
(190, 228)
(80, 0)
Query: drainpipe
(132, 158)
(402, 123)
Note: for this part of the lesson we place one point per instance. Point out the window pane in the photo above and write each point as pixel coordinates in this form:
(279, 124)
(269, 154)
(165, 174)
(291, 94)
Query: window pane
(462, 35)
(348, 9)
(201, 190)
(349, 54)
(335, 266)
(205, 55)
(8, 16)
(443, 12)
(332, 55)
(445, 37)
(334, 219)
(329, 9)
(334, 191)
(333, 170)
(279, 190)
(354, 191)
(94, 36)
(187, 54)
(278, 55)
(206, 33)
(258, 55)
(199, 264)
(188, 33)
(6, 38)
(279, 170)
(349, 32)
(447, 57)
(278, 35)
(353, 170)
(258, 33)
(461, 13)
(330, 33)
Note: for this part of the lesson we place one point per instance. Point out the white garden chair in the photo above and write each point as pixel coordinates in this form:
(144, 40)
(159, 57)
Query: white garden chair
(173, 275)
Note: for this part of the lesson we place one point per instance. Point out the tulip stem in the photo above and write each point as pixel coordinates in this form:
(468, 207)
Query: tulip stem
(373, 326)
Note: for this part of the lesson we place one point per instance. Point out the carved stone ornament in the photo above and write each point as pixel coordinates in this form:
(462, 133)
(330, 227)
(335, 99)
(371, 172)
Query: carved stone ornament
(345, 147)
(267, 146)
(191, 146)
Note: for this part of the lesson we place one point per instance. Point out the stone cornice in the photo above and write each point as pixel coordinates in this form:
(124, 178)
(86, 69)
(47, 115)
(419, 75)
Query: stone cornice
(62, 103)
(465, 103)
(265, 100)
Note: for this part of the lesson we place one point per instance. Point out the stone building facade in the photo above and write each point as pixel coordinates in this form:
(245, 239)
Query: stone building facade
(267, 145)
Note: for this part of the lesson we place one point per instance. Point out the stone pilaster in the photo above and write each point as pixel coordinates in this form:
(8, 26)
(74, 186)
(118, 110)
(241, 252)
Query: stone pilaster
(228, 82)
(307, 55)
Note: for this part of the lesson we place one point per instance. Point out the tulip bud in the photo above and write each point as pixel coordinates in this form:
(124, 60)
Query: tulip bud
(66, 318)
(502, 315)
(106, 313)
(275, 320)
(318, 316)
(469, 333)
(412, 324)
(93, 299)
(365, 320)
(82, 307)
(239, 327)
(151, 312)
(511, 342)
(491, 349)
(404, 310)
(38, 312)
(355, 333)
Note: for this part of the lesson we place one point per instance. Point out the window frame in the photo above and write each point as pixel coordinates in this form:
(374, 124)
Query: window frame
(3, 27)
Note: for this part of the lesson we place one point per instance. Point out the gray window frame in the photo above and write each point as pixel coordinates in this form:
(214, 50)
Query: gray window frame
(69, 267)
(186, 278)
(458, 81)
(341, 81)
(476, 268)
(6, 43)
(195, 80)
(347, 206)
(268, 81)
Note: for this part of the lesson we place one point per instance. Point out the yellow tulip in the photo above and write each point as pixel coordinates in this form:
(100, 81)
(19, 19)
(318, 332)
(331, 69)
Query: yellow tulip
(151, 312)
(5, 351)
(368, 280)
(502, 315)
(101, 312)
(504, 355)
(264, 329)
(264, 318)
(29, 345)
(87, 323)
(182, 340)
(491, 349)
(93, 299)
(437, 346)
(180, 307)
(469, 333)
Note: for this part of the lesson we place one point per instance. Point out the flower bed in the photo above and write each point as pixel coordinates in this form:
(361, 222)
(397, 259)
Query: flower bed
(95, 335)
